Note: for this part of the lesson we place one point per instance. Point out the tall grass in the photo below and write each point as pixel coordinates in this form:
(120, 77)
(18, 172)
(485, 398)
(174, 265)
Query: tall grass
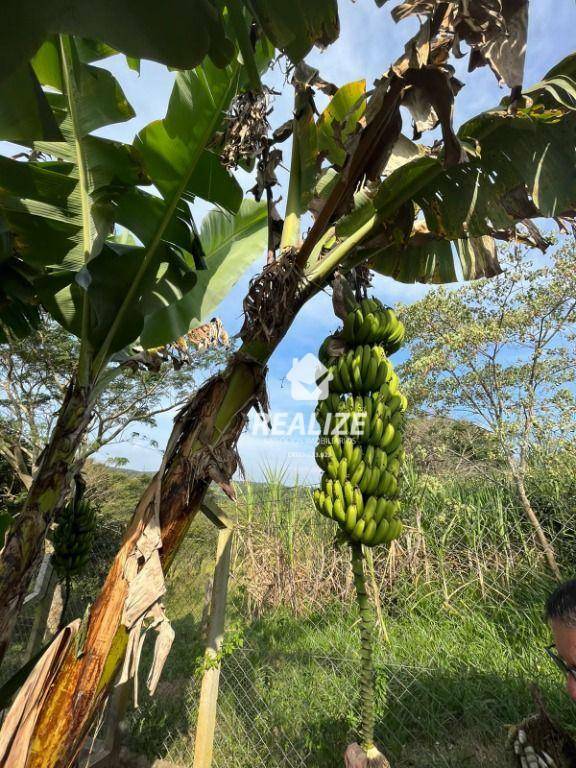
(461, 595)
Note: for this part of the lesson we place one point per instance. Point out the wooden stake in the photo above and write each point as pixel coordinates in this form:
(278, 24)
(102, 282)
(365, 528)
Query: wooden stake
(206, 723)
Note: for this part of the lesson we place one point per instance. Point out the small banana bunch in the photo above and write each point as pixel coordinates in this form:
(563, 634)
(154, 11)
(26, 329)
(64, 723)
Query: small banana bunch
(73, 539)
(362, 427)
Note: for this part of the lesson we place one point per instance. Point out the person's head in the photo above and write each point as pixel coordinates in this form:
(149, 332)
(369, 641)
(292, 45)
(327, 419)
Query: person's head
(561, 615)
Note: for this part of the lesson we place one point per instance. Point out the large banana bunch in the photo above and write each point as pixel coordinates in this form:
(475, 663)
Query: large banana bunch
(362, 427)
(73, 539)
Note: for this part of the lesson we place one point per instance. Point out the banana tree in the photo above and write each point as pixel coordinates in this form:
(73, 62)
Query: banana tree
(56, 217)
(60, 215)
(409, 211)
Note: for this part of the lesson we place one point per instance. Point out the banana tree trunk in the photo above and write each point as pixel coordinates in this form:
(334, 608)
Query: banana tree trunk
(24, 543)
(202, 448)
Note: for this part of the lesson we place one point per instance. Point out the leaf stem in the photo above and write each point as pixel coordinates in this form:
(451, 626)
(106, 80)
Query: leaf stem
(291, 229)
(71, 89)
(336, 256)
(243, 40)
(367, 649)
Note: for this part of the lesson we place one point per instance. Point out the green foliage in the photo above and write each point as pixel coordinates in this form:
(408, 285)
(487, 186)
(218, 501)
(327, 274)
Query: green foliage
(71, 206)
(462, 612)
(229, 244)
(551, 487)
(174, 149)
(440, 445)
(296, 28)
(180, 34)
(515, 167)
(39, 368)
(34, 117)
(340, 118)
(499, 352)
(233, 640)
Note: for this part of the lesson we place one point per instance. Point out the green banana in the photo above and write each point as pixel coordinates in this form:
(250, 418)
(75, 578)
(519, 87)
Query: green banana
(358, 474)
(370, 508)
(351, 517)
(348, 449)
(348, 330)
(394, 444)
(348, 492)
(374, 481)
(361, 464)
(371, 381)
(344, 373)
(336, 447)
(73, 538)
(369, 533)
(358, 530)
(335, 384)
(342, 471)
(378, 431)
(355, 459)
(369, 455)
(381, 531)
(337, 491)
(332, 469)
(359, 501)
(338, 511)
(387, 436)
(364, 482)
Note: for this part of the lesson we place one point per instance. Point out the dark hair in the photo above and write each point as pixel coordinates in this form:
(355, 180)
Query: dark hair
(561, 605)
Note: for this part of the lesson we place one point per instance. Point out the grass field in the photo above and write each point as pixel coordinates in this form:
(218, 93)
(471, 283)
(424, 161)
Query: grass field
(461, 638)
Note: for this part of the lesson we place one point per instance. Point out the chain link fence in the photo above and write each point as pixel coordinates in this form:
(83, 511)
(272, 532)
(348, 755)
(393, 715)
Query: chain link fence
(460, 636)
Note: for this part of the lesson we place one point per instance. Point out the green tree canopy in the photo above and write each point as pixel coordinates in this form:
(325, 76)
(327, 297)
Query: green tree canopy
(501, 353)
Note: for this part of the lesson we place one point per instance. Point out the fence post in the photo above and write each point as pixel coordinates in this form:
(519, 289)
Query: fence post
(206, 722)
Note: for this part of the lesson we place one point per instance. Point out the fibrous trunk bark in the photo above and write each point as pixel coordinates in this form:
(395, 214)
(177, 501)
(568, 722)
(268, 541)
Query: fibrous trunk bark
(202, 448)
(24, 543)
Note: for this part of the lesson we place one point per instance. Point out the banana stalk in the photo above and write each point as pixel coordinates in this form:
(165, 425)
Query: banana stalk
(361, 468)
(375, 759)
(366, 647)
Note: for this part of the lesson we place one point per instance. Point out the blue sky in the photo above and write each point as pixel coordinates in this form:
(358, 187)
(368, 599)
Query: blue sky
(368, 43)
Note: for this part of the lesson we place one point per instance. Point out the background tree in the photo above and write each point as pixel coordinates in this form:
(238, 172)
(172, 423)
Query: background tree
(441, 445)
(35, 373)
(501, 353)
